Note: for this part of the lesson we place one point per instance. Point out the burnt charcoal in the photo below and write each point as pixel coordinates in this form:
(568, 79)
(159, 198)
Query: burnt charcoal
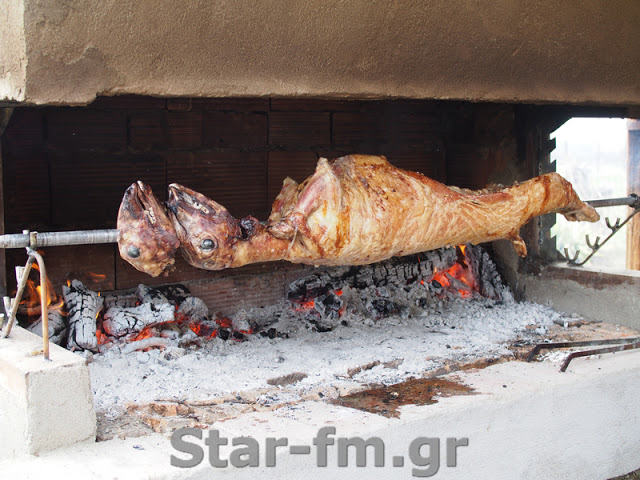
(121, 300)
(332, 301)
(382, 307)
(397, 272)
(328, 305)
(313, 316)
(239, 336)
(122, 321)
(223, 333)
(151, 295)
(271, 333)
(304, 289)
(321, 327)
(204, 328)
(83, 307)
(194, 309)
(176, 293)
(58, 331)
(489, 282)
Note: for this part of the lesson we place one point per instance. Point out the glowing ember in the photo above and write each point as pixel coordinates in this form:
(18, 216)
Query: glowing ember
(458, 277)
(224, 322)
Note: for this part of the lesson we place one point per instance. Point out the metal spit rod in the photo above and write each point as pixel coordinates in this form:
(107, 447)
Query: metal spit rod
(55, 239)
(632, 201)
(85, 237)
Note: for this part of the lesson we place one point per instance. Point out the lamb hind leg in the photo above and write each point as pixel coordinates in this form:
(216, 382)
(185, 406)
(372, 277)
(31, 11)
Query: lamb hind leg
(573, 209)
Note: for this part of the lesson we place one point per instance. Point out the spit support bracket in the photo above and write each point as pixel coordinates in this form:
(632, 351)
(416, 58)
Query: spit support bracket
(617, 345)
(31, 241)
(632, 201)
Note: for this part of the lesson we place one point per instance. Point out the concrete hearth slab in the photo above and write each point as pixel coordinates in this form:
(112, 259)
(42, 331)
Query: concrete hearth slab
(524, 421)
(43, 404)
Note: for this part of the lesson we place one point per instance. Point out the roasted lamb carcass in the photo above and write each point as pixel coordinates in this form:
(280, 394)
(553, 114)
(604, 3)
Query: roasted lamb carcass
(360, 209)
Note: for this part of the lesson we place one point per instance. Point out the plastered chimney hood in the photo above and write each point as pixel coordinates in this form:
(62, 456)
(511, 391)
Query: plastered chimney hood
(68, 52)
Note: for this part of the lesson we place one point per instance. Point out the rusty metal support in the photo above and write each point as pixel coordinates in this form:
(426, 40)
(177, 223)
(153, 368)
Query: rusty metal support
(22, 274)
(619, 344)
(598, 351)
(43, 301)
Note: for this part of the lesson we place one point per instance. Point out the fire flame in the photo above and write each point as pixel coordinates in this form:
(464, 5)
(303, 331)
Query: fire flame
(460, 272)
(30, 303)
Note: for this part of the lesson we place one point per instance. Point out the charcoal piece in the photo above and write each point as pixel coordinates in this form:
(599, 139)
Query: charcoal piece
(382, 307)
(122, 321)
(328, 305)
(397, 272)
(83, 306)
(485, 272)
(320, 326)
(58, 331)
(121, 300)
(176, 293)
(223, 333)
(306, 288)
(193, 309)
(151, 295)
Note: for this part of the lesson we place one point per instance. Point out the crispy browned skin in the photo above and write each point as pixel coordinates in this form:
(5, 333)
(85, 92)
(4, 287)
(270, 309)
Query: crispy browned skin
(146, 239)
(360, 209)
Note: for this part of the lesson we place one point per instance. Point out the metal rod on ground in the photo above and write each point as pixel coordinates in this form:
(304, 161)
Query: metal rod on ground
(619, 348)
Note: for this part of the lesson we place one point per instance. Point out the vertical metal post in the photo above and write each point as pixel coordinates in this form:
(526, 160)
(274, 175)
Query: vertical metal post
(44, 306)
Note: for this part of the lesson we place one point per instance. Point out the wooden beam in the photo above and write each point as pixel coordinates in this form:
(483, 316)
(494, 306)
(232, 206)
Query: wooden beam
(633, 181)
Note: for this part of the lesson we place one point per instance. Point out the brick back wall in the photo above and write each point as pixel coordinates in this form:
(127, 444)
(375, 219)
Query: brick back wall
(66, 168)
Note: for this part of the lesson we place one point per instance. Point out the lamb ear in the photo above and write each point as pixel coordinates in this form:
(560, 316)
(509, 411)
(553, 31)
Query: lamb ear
(518, 244)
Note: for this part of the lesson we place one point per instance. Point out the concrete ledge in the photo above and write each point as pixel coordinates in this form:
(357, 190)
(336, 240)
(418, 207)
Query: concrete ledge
(43, 404)
(527, 421)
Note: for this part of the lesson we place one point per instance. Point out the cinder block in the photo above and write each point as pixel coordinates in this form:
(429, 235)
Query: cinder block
(44, 405)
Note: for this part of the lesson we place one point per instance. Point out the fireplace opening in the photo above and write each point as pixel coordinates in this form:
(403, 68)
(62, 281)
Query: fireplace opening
(198, 346)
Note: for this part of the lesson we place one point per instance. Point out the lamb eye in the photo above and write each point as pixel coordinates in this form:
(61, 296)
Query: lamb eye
(133, 252)
(207, 244)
